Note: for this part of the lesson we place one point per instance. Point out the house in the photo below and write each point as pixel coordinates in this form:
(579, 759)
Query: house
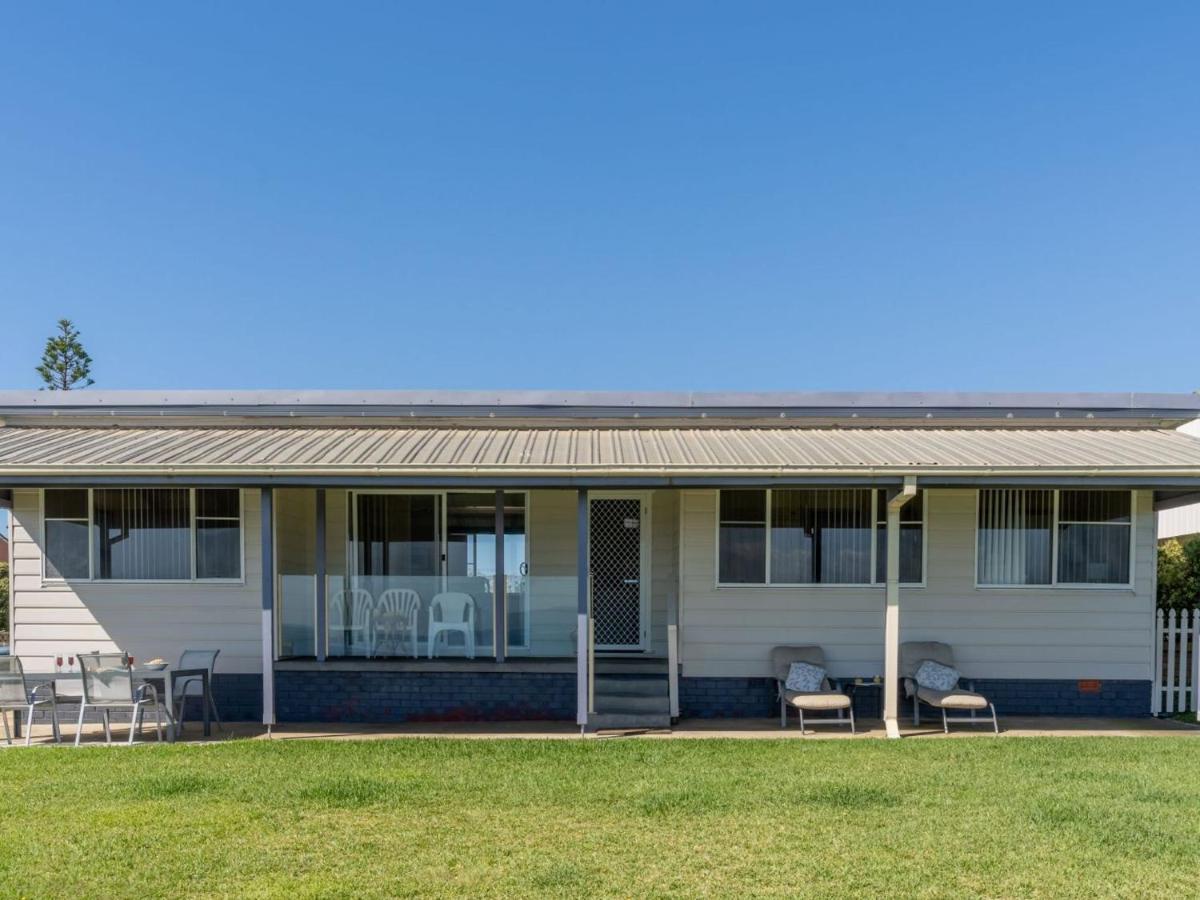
(607, 558)
(1179, 518)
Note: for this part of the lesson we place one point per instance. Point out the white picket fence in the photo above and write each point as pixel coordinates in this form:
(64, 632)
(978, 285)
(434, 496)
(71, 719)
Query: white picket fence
(1176, 661)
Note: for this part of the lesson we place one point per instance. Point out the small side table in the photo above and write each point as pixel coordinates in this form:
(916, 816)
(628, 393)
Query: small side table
(857, 687)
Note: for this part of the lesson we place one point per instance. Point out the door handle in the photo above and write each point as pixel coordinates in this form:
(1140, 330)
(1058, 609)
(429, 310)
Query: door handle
(631, 581)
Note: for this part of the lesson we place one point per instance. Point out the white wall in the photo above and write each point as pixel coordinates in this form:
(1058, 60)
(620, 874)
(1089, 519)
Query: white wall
(145, 620)
(1182, 520)
(1009, 633)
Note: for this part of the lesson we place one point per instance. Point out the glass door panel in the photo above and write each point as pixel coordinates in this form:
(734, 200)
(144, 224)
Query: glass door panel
(397, 549)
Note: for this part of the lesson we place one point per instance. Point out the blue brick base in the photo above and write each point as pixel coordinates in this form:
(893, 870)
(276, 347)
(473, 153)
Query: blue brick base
(755, 698)
(381, 696)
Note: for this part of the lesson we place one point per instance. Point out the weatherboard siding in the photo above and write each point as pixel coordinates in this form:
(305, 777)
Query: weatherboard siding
(145, 620)
(1059, 633)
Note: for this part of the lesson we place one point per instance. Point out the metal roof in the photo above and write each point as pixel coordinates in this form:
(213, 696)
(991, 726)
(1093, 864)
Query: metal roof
(596, 404)
(612, 451)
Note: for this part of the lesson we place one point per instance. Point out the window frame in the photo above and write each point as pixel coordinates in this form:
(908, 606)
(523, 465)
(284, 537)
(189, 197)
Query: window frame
(52, 581)
(876, 510)
(1055, 584)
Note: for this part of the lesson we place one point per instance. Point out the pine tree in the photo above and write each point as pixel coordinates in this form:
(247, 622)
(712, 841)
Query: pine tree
(65, 364)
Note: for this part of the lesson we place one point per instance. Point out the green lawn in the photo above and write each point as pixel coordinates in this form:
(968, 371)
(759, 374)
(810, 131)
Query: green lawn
(996, 817)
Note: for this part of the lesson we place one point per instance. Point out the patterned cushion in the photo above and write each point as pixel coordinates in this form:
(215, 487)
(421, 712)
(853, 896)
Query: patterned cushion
(804, 678)
(935, 676)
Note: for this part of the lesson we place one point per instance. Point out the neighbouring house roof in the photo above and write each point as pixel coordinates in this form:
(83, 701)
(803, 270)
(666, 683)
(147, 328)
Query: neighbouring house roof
(507, 450)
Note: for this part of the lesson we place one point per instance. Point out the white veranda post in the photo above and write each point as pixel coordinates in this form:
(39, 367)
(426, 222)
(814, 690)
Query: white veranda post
(891, 627)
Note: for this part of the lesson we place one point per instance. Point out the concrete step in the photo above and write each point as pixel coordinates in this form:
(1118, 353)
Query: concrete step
(629, 686)
(617, 721)
(607, 703)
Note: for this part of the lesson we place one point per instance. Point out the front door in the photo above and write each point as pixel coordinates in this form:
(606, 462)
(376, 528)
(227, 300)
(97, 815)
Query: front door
(619, 540)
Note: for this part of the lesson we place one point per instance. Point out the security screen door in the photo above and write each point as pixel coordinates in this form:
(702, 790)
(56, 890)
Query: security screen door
(617, 553)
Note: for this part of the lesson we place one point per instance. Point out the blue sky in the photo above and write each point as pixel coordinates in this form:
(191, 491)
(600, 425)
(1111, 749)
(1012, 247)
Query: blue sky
(620, 195)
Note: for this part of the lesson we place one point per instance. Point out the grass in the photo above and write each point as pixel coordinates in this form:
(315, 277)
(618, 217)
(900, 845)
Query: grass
(1010, 817)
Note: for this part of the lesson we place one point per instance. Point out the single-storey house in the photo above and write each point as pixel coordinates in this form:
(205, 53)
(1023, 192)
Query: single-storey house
(598, 557)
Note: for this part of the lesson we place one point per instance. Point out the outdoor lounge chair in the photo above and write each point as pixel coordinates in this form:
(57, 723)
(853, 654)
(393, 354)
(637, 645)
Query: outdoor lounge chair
(912, 654)
(829, 698)
(16, 695)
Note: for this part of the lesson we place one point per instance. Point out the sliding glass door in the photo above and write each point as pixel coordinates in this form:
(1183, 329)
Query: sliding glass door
(424, 576)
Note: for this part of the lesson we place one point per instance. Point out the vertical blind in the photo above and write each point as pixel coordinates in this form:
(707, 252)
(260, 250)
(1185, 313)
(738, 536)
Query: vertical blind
(821, 536)
(142, 533)
(1014, 536)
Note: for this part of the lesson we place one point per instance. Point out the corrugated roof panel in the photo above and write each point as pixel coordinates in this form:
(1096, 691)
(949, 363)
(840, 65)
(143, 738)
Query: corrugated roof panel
(609, 450)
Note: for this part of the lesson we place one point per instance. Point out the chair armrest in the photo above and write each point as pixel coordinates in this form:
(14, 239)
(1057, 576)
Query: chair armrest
(147, 688)
(910, 687)
(48, 685)
(835, 684)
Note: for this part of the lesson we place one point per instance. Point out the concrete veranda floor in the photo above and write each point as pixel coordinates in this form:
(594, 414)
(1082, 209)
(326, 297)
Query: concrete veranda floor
(1010, 726)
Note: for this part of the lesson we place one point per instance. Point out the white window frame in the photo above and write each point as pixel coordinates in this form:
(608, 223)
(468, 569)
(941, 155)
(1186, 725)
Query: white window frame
(1055, 584)
(822, 585)
(51, 580)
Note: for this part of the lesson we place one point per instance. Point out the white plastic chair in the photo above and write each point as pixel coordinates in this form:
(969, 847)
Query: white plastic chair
(357, 603)
(193, 686)
(396, 615)
(452, 612)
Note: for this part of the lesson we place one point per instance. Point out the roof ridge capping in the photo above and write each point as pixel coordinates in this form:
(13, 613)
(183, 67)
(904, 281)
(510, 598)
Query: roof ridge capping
(585, 404)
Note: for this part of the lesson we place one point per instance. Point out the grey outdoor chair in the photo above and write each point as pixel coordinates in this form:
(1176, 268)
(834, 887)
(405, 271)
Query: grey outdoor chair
(193, 686)
(108, 684)
(912, 654)
(829, 698)
(16, 696)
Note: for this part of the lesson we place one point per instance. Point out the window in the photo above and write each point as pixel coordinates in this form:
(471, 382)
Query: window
(1093, 537)
(1044, 537)
(812, 536)
(218, 533)
(144, 534)
(743, 540)
(66, 517)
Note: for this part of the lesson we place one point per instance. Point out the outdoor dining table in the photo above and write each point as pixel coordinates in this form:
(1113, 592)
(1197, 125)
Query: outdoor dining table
(167, 675)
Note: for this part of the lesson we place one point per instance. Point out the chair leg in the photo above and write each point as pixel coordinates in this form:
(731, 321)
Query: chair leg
(916, 710)
(995, 723)
(133, 722)
(158, 721)
(7, 733)
(800, 710)
(54, 726)
(181, 711)
(29, 726)
(945, 724)
(782, 713)
(852, 720)
(107, 726)
(79, 725)
(212, 705)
